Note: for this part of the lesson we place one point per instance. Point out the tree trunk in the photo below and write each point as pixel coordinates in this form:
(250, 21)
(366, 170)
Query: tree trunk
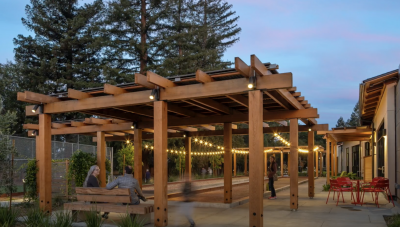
(143, 54)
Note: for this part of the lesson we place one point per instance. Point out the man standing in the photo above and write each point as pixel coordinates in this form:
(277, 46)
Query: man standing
(127, 181)
(147, 177)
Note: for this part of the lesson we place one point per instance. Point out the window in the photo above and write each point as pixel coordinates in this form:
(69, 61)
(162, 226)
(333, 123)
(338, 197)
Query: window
(367, 150)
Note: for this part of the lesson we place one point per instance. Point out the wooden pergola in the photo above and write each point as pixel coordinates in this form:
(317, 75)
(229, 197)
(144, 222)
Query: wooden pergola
(158, 108)
(341, 135)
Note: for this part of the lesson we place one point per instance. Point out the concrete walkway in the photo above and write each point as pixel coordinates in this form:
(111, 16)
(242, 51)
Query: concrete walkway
(311, 212)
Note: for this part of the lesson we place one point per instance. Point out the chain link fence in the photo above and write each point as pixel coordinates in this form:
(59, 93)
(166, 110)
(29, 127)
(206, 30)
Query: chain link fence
(26, 149)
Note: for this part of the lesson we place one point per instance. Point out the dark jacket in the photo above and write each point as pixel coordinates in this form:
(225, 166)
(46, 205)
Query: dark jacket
(92, 182)
(272, 170)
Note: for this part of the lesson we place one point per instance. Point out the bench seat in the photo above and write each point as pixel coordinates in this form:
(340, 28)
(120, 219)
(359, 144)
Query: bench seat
(109, 207)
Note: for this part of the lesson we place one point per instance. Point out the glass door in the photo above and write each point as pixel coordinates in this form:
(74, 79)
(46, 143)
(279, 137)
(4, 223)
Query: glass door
(356, 159)
(381, 152)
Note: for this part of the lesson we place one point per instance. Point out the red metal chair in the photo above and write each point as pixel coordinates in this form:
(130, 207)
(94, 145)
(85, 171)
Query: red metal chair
(346, 186)
(371, 185)
(381, 186)
(335, 187)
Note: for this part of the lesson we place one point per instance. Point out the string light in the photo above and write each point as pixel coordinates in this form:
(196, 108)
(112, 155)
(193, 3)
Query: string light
(282, 139)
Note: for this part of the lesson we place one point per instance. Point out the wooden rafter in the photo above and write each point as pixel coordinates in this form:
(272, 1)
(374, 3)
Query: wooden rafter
(142, 80)
(258, 66)
(159, 80)
(113, 90)
(75, 94)
(203, 77)
(242, 67)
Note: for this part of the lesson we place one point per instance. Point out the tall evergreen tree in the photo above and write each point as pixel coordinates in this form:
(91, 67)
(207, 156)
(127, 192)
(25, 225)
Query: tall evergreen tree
(67, 47)
(340, 123)
(354, 119)
(134, 27)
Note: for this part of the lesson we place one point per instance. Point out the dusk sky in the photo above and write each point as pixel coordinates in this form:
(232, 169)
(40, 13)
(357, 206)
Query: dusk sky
(330, 46)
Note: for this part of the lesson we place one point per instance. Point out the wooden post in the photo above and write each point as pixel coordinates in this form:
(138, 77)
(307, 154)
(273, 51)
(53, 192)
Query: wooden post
(188, 158)
(316, 164)
(310, 165)
(288, 162)
(328, 164)
(138, 155)
(234, 164)
(245, 164)
(38, 157)
(294, 158)
(160, 163)
(44, 152)
(228, 163)
(101, 157)
(256, 151)
(265, 164)
(321, 162)
(281, 163)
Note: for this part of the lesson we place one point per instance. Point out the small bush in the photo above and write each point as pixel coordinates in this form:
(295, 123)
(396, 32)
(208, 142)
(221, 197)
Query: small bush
(8, 217)
(63, 219)
(93, 219)
(37, 217)
(128, 221)
(326, 187)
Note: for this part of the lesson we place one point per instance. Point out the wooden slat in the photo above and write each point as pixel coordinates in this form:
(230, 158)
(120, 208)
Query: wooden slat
(292, 89)
(242, 67)
(102, 191)
(138, 172)
(258, 66)
(256, 152)
(213, 104)
(160, 163)
(77, 123)
(132, 209)
(207, 127)
(182, 111)
(59, 125)
(104, 198)
(203, 77)
(304, 102)
(159, 80)
(294, 184)
(296, 94)
(40, 98)
(113, 90)
(227, 162)
(115, 133)
(142, 80)
(300, 99)
(187, 129)
(75, 94)
(310, 164)
(21, 97)
(240, 99)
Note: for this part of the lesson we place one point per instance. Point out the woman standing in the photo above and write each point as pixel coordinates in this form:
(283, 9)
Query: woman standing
(271, 173)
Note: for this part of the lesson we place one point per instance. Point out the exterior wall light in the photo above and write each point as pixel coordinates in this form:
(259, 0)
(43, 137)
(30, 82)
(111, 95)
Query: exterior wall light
(155, 94)
(252, 82)
(37, 107)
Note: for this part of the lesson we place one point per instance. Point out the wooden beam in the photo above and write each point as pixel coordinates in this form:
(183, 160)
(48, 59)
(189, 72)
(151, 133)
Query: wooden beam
(38, 98)
(188, 158)
(137, 110)
(160, 163)
(137, 143)
(307, 106)
(328, 160)
(265, 164)
(256, 152)
(75, 94)
(187, 129)
(274, 81)
(292, 89)
(316, 164)
(296, 94)
(310, 164)
(242, 67)
(304, 102)
(182, 111)
(21, 97)
(199, 105)
(142, 80)
(300, 99)
(276, 99)
(45, 202)
(101, 158)
(240, 99)
(92, 128)
(258, 66)
(159, 80)
(203, 77)
(213, 104)
(97, 121)
(115, 133)
(113, 90)
(208, 127)
(77, 123)
(294, 184)
(234, 164)
(227, 162)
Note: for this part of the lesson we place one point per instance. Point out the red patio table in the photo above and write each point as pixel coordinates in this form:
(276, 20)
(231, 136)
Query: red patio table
(357, 199)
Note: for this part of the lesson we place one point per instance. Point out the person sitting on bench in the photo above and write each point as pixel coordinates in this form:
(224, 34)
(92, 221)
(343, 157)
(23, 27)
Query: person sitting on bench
(127, 181)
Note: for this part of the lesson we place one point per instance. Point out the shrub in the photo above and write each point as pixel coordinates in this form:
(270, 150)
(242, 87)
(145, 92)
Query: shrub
(326, 187)
(30, 180)
(128, 221)
(93, 219)
(37, 217)
(128, 151)
(394, 221)
(63, 219)
(8, 217)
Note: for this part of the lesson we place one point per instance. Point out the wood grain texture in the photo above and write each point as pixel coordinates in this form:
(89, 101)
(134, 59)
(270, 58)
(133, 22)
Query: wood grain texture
(160, 163)
(102, 191)
(328, 164)
(242, 67)
(137, 142)
(281, 164)
(203, 77)
(142, 80)
(75, 94)
(256, 152)
(101, 157)
(245, 165)
(113, 90)
(104, 198)
(159, 80)
(310, 165)
(188, 158)
(131, 209)
(294, 157)
(45, 162)
(227, 162)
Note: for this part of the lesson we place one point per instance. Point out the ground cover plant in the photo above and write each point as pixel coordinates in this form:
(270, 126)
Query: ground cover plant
(8, 217)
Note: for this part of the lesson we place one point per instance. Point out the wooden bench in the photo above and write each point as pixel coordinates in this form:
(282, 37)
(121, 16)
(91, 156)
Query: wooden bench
(103, 200)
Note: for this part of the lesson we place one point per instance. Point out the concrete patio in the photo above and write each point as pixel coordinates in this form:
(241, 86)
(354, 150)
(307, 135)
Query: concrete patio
(311, 212)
